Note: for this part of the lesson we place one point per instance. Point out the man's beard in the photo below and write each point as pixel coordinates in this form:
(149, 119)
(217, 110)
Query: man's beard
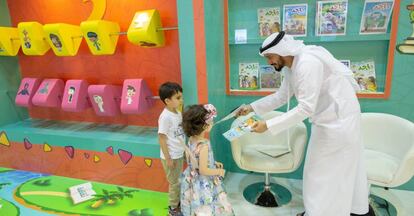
(278, 69)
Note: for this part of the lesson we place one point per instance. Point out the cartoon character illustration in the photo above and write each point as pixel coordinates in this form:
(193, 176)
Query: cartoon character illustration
(71, 92)
(99, 101)
(26, 39)
(130, 93)
(25, 90)
(56, 42)
(45, 89)
(93, 37)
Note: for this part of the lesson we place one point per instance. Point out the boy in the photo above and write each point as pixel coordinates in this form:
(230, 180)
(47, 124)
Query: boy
(171, 138)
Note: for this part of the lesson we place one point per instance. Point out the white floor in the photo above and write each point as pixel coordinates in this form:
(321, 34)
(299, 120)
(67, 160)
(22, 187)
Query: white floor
(235, 184)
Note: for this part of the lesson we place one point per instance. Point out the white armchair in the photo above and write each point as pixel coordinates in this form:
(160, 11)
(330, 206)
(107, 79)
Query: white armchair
(389, 150)
(247, 155)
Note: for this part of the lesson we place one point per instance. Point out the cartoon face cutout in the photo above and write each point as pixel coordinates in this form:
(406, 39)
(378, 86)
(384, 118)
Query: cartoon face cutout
(130, 93)
(71, 93)
(99, 101)
(93, 37)
(56, 41)
(45, 89)
(25, 90)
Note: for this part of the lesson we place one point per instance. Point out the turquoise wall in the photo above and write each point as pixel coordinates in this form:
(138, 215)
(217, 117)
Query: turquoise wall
(9, 79)
(400, 103)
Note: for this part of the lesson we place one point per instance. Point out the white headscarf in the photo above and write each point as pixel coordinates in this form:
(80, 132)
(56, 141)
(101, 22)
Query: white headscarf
(288, 46)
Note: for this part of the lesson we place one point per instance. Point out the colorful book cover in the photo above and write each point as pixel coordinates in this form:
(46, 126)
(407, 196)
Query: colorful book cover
(347, 63)
(243, 127)
(331, 17)
(269, 78)
(376, 16)
(364, 74)
(249, 76)
(269, 21)
(295, 19)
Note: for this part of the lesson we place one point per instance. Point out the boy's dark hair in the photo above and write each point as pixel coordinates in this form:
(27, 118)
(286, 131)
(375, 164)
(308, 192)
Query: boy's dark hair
(168, 89)
(194, 120)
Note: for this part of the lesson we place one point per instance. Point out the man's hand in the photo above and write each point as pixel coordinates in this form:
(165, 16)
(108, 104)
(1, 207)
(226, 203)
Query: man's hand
(219, 165)
(170, 163)
(246, 109)
(259, 127)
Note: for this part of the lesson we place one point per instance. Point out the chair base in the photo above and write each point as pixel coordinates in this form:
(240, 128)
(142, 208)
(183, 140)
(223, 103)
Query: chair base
(273, 195)
(381, 207)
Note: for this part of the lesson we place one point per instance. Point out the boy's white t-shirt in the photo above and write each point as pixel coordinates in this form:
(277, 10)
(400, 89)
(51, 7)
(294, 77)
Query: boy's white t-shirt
(170, 124)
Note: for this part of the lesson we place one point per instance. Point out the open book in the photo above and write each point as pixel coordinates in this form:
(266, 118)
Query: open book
(243, 127)
(82, 192)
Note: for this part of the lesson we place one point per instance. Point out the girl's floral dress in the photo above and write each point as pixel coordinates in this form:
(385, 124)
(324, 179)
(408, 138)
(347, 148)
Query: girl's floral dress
(203, 195)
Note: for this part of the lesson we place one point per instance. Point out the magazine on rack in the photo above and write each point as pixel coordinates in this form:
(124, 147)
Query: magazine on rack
(376, 16)
(331, 17)
(295, 19)
(248, 76)
(364, 74)
(269, 21)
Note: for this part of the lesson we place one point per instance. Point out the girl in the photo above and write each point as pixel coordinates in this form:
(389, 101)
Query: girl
(202, 192)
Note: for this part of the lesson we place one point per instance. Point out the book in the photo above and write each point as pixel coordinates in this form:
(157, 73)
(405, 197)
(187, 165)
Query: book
(248, 76)
(295, 19)
(269, 21)
(269, 78)
(240, 36)
(376, 16)
(243, 127)
(81, 193)
(331, 17)
(231, 115)
(364, 74)
(347, 63)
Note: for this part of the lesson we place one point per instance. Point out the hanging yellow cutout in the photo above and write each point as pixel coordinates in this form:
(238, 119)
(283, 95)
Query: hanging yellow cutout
(4, 140)
(9, 41)
(47, 148)
(96, 158)
(145, 29)
(148, 162)
(32, 38)
(101, 36)
(64, 39)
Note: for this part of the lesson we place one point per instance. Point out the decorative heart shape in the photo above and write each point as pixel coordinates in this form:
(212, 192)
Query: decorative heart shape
(125, 156)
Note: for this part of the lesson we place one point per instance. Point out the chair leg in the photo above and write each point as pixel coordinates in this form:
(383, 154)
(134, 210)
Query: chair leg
(267, 198)
(267, 194)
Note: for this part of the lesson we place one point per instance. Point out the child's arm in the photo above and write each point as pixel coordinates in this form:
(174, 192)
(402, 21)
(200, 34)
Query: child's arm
(203, 164)
(162, 138)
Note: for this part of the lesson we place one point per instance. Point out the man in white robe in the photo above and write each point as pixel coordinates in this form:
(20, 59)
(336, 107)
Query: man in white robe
(334, 177)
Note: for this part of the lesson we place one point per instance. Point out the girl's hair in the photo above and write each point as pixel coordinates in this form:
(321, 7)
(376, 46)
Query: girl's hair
(194, 120)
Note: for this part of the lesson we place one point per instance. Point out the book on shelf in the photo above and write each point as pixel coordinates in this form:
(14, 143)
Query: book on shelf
(376, 16)
(331, 17)
(248, 76)
(295, 19)
(240, 36)
(364, 74)
(269, 78)
(269, 21)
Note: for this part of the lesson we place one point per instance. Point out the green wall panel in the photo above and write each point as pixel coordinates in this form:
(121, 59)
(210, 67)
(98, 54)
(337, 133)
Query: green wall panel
(400, 103)
(9, 79)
